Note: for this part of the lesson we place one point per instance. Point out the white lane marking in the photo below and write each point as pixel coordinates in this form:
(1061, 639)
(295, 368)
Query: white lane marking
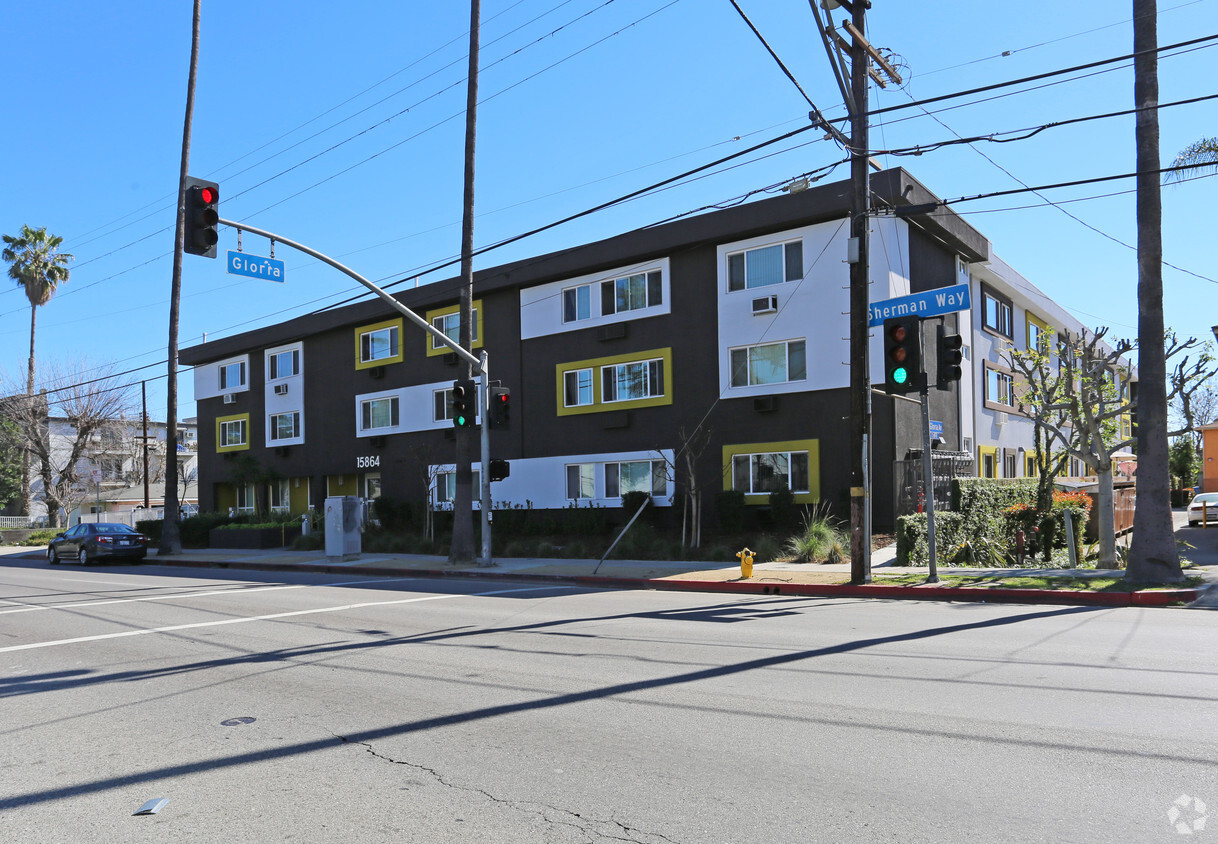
(181, 595)
(224, 621)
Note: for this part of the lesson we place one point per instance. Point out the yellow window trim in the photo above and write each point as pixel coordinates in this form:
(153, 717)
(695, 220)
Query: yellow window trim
(811, 446)
(598, 404)
(1032, 319)
(439, 312)
(238, 417)
(377, 326)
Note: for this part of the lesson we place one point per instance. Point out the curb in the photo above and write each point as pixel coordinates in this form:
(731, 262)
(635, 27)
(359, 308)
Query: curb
(928, 592)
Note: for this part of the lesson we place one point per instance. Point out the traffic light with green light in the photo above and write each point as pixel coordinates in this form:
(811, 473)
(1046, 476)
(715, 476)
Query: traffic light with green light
(902, 354)
(465, 403)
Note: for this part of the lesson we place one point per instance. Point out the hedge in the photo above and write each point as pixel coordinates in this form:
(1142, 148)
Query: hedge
(976, 531)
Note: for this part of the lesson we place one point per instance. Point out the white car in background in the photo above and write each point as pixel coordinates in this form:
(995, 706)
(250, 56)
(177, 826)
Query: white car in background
(1205, 504)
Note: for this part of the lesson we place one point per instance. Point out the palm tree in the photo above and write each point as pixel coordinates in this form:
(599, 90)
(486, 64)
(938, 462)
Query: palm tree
(36, 264)
(1202, 154)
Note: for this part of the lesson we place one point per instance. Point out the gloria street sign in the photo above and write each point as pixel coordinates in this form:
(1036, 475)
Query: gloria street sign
(255, 266)
(943, 300)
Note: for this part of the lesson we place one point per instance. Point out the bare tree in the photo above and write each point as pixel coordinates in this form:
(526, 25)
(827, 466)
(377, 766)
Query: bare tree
(1083, 404)
(683, 470)
(61, 426)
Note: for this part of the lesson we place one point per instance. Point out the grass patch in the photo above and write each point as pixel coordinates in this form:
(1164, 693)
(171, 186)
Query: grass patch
(998, 581)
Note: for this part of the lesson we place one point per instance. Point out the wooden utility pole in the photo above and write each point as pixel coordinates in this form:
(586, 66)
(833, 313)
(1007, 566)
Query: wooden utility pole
(462, 548)
(860, 376)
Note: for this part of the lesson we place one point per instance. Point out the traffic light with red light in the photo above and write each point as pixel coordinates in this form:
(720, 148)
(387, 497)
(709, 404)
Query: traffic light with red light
(465, 403)
(902, 354)
(501, 407)
(949, 356)
(202, 217)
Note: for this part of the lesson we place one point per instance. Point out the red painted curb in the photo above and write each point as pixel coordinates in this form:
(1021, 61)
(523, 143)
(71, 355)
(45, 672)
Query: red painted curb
(927, 592)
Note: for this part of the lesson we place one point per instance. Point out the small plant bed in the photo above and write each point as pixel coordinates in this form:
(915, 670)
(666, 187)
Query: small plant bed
(998, 581)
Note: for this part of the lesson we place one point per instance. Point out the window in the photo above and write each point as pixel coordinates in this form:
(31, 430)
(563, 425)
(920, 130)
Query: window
(626, 381)
(245, 497)
(283, 364)
(285, 426)
(995, 313)
(987, 465)
(372, 486)
(765, 266)
(379, 413)
(281, 495)
(763, 473)
(450, 326)
(379, 344)
(631, 293)
(442, 405)
(577, 303)
(999, 388)
(1035, 335)
(446, 487)
(232, 375)
(577, 387)
(636, 476)
(771, 363)
(581, 481)
(232, 433)
(1008, 460)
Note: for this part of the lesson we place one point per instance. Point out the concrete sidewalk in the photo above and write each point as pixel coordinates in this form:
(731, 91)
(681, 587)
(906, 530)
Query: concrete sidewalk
(767, 578)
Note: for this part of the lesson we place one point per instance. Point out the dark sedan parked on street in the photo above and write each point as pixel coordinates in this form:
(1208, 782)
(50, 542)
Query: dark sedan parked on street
(88, 542)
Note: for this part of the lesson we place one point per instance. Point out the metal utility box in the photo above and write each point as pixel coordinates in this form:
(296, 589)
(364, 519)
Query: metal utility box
(343, 527)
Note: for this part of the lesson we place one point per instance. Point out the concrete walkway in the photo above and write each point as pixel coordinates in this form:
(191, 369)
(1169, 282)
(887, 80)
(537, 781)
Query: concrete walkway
(767, 578)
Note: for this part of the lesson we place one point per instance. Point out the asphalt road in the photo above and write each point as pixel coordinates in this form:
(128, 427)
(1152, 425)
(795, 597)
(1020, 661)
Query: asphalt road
(318, 708)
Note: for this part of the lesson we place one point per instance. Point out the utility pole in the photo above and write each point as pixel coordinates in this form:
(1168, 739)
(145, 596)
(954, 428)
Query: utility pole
(462, 548)
(860, 375)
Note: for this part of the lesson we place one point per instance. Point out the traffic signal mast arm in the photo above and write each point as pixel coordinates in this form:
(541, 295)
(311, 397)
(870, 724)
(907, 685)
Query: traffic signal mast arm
(466, 356)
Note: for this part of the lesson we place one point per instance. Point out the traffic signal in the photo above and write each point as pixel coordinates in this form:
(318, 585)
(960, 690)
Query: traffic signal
(500, 469)
(202, 217)
(465, 403)
(902, 354)
(501, 407)
(949, 356)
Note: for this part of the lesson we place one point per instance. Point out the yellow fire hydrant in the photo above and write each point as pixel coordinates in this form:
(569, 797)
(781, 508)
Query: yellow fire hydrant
(746, 563)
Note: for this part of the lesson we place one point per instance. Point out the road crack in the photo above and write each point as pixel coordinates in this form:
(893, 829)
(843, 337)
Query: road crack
(596, 829)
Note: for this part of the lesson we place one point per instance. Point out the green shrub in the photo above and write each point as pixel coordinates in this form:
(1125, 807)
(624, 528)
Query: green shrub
(195, 530)
(40, 537)
(821, 540)
(768, 549)
(982, 504)
(309, 542)
(729, 504)
(912, 548)
(782, 508)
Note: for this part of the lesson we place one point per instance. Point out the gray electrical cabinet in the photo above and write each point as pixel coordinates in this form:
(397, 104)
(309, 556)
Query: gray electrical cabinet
(344, 525)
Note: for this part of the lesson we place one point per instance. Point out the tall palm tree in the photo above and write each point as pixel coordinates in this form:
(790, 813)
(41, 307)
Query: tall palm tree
(37, 265)
(1202, 154)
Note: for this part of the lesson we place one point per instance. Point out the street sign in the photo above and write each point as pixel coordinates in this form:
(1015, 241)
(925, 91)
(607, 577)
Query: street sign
(943, 300)
(255, 266)
(936, 429)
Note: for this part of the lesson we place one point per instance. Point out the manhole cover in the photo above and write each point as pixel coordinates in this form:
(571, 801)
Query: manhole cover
(237, 722)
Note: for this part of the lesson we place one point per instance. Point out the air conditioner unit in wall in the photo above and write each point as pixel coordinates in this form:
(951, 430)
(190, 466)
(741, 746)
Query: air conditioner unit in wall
(281, 389)
(1000, 418)
(765, 305)
(230, 398)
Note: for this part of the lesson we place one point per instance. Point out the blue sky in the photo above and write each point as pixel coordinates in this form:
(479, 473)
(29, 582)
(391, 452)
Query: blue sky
(341, 127)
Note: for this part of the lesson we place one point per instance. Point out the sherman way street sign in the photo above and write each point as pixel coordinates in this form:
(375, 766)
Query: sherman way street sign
(944, 300)
(255, 266)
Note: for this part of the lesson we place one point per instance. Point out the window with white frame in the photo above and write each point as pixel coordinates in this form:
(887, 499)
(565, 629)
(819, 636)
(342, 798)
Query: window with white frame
(379, 413)
(232, 375)
(646, 476)
(581, 481)
(450, 326)
(636, 380)
(245, 497)
(280, 495)
(379, 344)
(577, 303)
(283, 364)
(446, 486)
(631, 293)
(765, 265)
(577, 387)
(442, 405)
(999, 387)
(995, 313)
(769, 363)
(764, 473)
(232, 433)
(285, 426)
